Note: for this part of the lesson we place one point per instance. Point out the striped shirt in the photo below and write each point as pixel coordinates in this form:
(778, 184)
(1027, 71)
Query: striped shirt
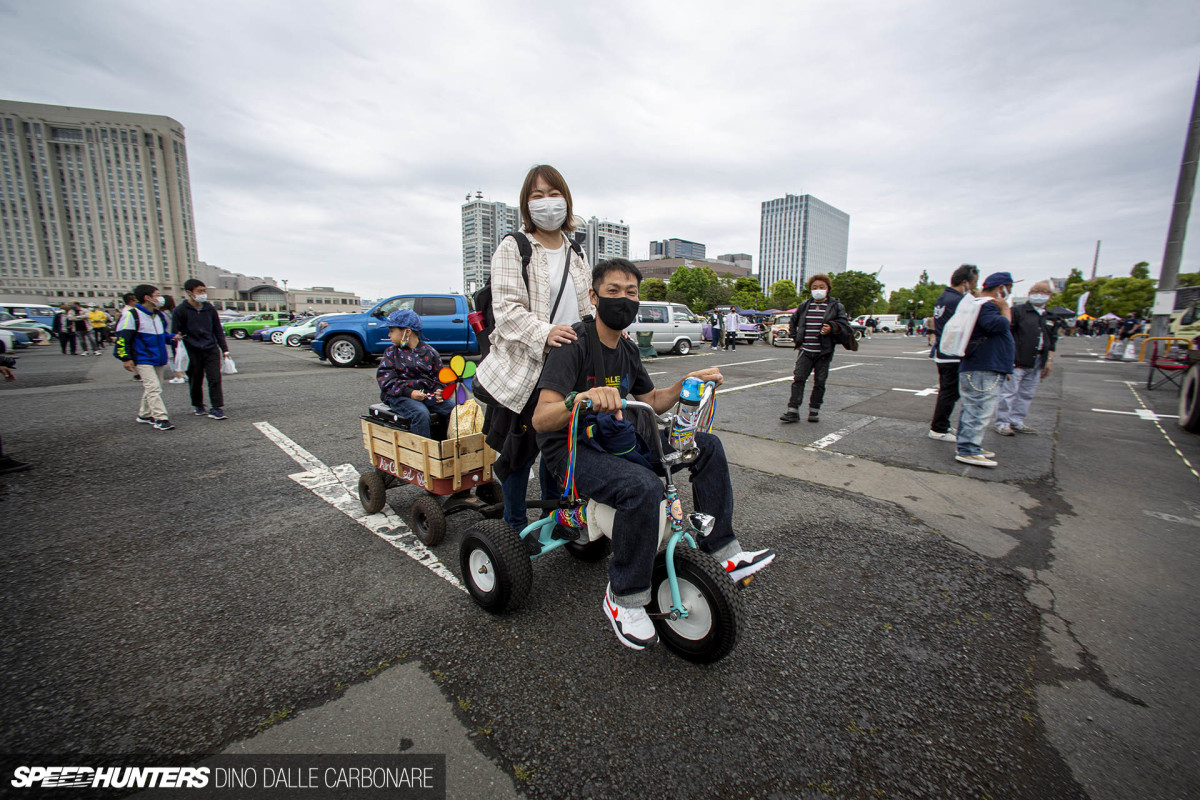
(813, 320)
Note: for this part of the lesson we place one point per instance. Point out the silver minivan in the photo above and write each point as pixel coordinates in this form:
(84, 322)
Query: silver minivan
(675, 327)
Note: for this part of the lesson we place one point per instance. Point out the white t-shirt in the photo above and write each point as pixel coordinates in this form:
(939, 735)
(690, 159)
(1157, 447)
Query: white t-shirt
(568, 307)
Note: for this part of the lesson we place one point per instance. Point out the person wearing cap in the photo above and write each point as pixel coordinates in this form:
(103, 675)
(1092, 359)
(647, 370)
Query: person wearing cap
(984, 368)
(1035, 337)
(408, 374)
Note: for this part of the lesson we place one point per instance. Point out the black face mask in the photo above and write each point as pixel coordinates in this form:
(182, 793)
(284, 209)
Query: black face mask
(617, 313)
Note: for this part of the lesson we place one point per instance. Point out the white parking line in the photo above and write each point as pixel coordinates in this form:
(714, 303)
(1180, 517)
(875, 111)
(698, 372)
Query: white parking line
(778, 380)
(1143, 413)
(918, 392)
(338, 486)
(836, 436)
(743, 363)
(1161, 430)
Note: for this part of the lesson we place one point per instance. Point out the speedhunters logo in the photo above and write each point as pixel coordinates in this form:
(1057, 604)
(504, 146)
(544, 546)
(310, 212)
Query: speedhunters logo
(110, 777)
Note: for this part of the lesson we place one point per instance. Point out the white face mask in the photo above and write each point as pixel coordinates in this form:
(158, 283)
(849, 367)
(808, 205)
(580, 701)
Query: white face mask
(154, 301)
(819, 294)
(200, 297)
(548, 213)
(1039, 299)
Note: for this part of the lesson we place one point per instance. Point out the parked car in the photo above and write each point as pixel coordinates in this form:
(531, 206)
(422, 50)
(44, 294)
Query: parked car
(273, 335)
(748, 332)
(37, 312)
(675, 328)
(241, 329)
(36, 331)
(351, 339)
(778, 332)
(886, 322)
(295, 332)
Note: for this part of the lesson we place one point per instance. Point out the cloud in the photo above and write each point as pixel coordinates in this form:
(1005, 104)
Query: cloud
(333, 143)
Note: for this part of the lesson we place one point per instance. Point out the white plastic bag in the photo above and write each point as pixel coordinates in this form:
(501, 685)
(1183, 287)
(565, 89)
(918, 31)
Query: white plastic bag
(227, 366)
(180, 364)
(957, 332)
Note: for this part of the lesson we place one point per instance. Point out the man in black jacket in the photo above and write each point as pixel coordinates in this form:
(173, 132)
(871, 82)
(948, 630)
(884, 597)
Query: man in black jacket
(1036, 335)
(817, 325)
(962, 283)
(198, 325)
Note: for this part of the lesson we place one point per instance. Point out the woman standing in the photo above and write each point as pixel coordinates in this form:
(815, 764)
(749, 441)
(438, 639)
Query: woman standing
(533, 313)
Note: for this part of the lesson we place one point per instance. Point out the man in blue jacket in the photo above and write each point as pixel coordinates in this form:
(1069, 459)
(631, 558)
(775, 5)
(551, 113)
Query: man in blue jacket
(982, 371)
(962, 283)
(142, 347)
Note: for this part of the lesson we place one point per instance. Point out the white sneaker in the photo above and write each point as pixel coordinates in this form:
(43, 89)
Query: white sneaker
(744, 564)
(948, 436)
(1004, 429)
(976, 461)
(632, 625)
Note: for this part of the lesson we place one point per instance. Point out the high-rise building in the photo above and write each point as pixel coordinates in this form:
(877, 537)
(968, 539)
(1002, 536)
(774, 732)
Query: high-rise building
(676, 248)
(484, 224)
(92, 202)
(801, 236)
(743, 260)
(606, 240)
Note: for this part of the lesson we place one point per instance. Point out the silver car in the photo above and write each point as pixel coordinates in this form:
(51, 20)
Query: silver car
(675, 327)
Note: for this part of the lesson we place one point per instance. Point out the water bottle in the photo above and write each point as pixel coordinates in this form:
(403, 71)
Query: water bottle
(687, 414)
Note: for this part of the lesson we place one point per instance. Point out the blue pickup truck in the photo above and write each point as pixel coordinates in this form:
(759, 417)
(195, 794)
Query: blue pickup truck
(351, 339)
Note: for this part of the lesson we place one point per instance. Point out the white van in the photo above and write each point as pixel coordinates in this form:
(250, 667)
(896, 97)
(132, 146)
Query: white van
(886, 322)
(675, 327)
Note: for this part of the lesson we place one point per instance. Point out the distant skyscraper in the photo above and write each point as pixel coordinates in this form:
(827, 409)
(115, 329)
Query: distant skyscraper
(484, 224)
(801, 236)
(741, 259)
(676, 248)
(92, 202)
(606, 240)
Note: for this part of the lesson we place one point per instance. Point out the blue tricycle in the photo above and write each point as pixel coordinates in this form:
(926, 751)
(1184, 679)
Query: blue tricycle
(693, 603)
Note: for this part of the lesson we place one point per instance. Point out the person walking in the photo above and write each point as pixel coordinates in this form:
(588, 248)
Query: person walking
(962, 283)
(540, 282)
(1035, 338)
(718, 330)
(816, 326)
(198, 326)
(141, 345)
(64, 330)
(81, 326)
(100, 322)
(733, 326)
(982, 371)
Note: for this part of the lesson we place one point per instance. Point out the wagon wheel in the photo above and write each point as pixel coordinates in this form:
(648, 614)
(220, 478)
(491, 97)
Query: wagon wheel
(372, 491)
(428, 519)
(489, 492)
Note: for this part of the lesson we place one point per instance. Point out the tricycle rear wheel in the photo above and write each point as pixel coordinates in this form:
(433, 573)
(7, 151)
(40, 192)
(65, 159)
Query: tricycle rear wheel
(428, 520)
(495, 567)
(710, 631)
(372, 491)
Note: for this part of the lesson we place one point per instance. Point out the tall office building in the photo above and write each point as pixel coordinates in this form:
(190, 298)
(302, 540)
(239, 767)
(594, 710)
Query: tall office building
(801, 236)
(92, 203)
(606, 240)
(676, 248)
(484, 224)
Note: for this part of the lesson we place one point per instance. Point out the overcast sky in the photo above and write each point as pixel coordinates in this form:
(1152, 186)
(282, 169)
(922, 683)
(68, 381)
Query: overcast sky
(332, 143)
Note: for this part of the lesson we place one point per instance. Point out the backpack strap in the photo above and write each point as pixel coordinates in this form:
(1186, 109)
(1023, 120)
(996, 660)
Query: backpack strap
(594, 345)
(526, 251)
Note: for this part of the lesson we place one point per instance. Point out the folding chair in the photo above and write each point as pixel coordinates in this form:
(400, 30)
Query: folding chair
(1169, 367)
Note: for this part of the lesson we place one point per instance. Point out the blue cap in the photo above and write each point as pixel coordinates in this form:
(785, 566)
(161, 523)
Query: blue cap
(404, 318)
(997, 279)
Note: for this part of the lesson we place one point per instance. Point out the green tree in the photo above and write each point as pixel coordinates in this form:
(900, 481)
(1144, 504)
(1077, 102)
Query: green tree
(1075, 277)
(783, 295)
(1121, 296)
(1187, 279)
(691, 286)
(653, 289)
(1141, 270)
(858, 291)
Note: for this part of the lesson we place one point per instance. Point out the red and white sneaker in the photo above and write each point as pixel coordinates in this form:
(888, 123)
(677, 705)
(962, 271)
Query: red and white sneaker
(632, 625)
(744, 564)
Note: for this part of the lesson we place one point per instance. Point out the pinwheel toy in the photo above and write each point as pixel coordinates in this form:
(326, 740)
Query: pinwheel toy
(453, 376)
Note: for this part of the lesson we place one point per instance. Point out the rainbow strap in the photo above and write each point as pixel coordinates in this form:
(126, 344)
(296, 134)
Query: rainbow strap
(572, 517)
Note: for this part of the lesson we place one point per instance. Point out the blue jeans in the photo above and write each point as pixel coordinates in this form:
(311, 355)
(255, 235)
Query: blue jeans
(979, 392)
(635, 493)
(515, 488)
(417, 411)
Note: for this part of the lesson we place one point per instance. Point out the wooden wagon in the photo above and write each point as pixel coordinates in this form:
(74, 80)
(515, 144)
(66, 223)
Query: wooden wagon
(458, 469)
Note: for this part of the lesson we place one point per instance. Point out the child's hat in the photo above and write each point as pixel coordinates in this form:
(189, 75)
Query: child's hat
(404, 318)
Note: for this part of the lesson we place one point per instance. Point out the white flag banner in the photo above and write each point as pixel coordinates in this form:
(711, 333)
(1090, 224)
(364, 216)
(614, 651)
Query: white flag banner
(1081, 308)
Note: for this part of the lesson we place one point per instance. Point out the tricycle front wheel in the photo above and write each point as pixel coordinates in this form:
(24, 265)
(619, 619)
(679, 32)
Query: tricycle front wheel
(495, 566)
(710, 630)
(372, 491)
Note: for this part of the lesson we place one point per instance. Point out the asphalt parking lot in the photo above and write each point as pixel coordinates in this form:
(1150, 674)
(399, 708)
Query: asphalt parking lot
(928, 630)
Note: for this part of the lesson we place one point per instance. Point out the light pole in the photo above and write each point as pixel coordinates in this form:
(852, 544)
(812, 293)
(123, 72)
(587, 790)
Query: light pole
(287, 301)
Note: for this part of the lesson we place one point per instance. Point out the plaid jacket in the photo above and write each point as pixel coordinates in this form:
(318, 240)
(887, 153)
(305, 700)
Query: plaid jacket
(511, 370)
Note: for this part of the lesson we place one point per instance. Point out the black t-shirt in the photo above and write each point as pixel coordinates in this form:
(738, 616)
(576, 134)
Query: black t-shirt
(569, 369)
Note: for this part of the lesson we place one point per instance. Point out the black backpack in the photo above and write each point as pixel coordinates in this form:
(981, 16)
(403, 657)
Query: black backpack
(482, 299)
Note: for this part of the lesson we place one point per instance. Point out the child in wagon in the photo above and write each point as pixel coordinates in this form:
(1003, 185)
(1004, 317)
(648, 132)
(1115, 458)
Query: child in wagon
(408, 373)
